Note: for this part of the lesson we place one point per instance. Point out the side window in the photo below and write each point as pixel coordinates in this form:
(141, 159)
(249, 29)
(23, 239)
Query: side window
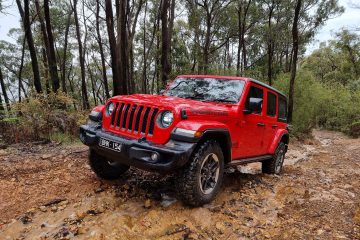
(282, 109)
(271, 104)
(254, 92)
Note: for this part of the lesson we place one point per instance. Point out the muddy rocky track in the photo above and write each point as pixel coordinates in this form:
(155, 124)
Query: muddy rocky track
(49, 192)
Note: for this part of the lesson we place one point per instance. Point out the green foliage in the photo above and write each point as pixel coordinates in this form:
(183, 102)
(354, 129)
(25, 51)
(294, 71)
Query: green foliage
(317, 104)
(42, 117)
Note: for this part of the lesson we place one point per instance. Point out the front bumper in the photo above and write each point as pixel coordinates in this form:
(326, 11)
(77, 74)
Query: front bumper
(137, 152)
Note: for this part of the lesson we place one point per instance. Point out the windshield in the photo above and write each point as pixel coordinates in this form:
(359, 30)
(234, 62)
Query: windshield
(207, 89)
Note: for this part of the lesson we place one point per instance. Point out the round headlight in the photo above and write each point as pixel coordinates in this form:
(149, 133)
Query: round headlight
(167, 119)
(110, 108)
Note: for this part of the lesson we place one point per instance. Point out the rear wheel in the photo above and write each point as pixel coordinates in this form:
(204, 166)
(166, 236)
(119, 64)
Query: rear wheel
(105, 168)
(200, 180)
(275, 165)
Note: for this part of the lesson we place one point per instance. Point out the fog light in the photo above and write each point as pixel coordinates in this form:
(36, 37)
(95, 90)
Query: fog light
(154, 157)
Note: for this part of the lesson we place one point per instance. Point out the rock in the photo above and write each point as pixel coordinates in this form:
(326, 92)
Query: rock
(220, 227)
(64, 203)
(193, 236)
(43, 208)
(95, 210)
(31, 211)
(80, 215)
(147, 204)
(99, 190)
(167, 200)
(176, 228)
(25, 219)
(3, 152)
(54, 201)
(54, 208)
(46, 156)
(61, 207)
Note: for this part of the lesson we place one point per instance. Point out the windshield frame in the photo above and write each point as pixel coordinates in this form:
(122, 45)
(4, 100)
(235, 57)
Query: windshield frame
(243, 82)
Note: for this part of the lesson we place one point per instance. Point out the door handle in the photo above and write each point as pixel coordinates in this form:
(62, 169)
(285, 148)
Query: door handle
(274, 126)
(260, 124)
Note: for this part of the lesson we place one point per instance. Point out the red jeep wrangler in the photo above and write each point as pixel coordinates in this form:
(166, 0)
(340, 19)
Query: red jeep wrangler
(200, 125)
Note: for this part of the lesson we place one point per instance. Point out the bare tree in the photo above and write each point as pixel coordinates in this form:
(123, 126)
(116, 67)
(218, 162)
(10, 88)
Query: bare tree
(85, 99)
(3, 89)
(117, 88)
(51, 51)
(64, 60)
(122, 47)
(295, 35)
(25, 16)
(165, 42)
(101, 50)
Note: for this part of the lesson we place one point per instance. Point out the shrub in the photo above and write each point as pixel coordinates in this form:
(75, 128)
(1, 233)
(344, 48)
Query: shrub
(40, 117)
(317, 104)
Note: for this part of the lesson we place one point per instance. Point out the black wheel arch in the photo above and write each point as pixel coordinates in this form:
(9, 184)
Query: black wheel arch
(222, 136)
(285, 138)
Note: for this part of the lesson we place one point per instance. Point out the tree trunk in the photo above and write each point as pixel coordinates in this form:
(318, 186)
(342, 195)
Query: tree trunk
(239, 40)
(86, 104)
(122, 49)
(25, 15)
(295, 35)
(144, 73)
(63, 65)
(132, 30)
(101, 50)
(21, 87)
(2, 109)
(51, 57)
(3, 89)
(270, 47)
(165, 43)
(46, 70)
(207, 44)
(117, 88)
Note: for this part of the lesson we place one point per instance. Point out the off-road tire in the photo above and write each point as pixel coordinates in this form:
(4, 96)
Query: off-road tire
(103, 169)
(272, 166)
(188, 177)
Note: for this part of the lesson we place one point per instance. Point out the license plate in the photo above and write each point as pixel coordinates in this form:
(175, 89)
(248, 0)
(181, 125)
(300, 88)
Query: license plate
(110, 145)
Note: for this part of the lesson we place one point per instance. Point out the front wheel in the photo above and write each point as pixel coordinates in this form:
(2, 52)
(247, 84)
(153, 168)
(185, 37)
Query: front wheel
(275, 165)
(105, 168)
(200, 180)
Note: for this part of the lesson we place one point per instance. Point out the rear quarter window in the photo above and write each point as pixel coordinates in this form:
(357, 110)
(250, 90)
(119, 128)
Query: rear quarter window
(271, 104)
(282, 106)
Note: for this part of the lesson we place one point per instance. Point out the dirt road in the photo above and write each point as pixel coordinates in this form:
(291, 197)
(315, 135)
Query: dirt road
(49, 192)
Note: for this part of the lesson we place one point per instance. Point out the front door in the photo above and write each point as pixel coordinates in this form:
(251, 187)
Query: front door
(251, 128)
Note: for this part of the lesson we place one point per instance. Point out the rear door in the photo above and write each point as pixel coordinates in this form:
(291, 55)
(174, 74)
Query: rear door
(251, 131)
(270, 118)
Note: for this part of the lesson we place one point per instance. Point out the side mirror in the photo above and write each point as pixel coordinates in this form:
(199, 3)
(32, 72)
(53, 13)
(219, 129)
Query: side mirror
(254, 106)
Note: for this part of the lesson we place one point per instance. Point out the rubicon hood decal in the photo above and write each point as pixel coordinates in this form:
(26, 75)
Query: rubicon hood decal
(207, 112)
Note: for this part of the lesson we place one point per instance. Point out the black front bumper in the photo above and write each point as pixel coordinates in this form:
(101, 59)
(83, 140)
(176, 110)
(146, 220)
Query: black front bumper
(137, 152)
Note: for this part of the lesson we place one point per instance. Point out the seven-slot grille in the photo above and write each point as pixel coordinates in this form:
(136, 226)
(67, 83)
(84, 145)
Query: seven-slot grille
(134, 118)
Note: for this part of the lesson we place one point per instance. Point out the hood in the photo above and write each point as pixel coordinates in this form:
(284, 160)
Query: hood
(192, 107)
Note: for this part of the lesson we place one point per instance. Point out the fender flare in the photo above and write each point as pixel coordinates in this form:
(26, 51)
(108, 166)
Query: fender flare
(281, 135)
(210, 130)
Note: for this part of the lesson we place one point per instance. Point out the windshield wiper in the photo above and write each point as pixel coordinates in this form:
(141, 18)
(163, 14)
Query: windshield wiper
(221, 100)
(195, 98)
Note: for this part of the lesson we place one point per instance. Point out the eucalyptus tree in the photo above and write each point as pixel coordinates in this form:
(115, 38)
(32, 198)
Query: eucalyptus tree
(25, 16)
